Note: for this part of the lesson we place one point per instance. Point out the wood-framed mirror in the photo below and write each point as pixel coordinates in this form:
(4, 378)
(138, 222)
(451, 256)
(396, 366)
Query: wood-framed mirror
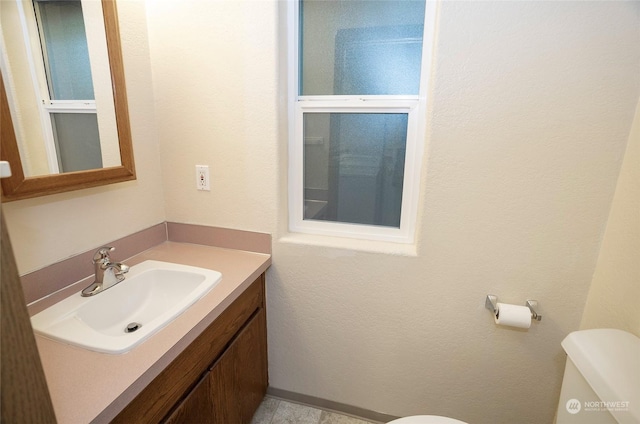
(21, 186)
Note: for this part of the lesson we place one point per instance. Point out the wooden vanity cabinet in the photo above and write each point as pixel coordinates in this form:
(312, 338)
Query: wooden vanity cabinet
(233, 388)
(220, 378)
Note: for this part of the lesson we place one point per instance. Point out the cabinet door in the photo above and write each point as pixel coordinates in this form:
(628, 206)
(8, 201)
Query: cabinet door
(196, 407)
(251, 366)
(239, 379)
(224, 389)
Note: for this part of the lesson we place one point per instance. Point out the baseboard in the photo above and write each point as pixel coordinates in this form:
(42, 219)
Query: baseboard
(329, 405)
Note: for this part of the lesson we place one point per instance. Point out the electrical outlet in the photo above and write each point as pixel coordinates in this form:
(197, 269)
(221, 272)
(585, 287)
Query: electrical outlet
(202, 178)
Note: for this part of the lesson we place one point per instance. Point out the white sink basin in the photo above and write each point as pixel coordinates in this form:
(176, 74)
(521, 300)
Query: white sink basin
(152, 295)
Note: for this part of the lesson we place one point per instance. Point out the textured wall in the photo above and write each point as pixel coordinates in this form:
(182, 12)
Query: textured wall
(213, 65)
(530, 111)
(47, 229)
(613, 297)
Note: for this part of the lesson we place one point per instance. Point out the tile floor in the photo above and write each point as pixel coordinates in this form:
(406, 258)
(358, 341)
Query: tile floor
(276, 411)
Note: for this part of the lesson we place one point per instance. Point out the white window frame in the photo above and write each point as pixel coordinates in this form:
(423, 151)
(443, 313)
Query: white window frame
(415, 106)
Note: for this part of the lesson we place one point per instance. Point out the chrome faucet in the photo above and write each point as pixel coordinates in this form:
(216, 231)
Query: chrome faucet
(107, 273)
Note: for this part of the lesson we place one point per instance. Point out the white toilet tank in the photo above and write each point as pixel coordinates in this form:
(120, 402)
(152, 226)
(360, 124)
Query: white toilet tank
(601, 382)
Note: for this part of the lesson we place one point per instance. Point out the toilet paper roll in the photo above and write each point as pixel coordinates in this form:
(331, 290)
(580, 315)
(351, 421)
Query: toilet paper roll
(513, 315)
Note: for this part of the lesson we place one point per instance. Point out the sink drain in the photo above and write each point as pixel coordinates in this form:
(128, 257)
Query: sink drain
(132, 327)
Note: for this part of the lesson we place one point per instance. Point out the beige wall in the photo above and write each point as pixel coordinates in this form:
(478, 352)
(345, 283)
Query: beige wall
(531, 108)
(216, 94)
(530, 111)
(615, 288)
(47, 229)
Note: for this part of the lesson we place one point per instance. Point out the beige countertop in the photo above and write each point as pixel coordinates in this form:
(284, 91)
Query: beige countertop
(88, 386)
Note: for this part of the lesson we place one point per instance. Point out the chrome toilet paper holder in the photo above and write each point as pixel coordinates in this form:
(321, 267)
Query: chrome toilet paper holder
(492, 304)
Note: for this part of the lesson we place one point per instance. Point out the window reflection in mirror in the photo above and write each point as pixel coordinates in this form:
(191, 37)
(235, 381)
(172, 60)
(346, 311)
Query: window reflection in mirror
(58, 61)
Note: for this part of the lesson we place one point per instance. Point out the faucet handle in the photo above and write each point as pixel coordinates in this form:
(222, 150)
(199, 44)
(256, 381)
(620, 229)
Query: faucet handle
(102, 254)
(122, 269)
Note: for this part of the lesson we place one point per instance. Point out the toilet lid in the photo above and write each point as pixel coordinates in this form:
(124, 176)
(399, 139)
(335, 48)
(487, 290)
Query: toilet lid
(426, 419)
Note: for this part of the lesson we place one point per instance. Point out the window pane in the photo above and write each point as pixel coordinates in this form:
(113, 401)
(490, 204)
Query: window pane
(64, 46)
(360, 47)
(354, 167)
(77, 141)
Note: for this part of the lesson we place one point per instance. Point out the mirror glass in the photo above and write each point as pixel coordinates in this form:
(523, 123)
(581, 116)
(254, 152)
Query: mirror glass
(58, 83)
(65, 96)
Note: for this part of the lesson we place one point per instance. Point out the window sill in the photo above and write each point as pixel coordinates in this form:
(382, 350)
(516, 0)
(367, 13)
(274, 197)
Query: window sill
(369, 246)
